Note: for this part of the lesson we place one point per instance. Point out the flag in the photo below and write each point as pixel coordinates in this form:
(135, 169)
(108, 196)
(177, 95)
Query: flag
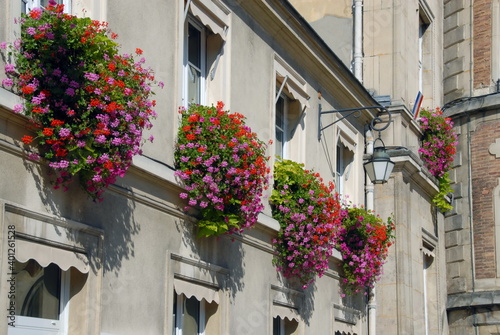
(416, 106)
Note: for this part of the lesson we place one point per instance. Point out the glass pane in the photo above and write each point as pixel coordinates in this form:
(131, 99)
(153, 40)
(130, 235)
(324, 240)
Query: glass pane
(191, 318)
(24, 6)
(38, 290)
(45, 3)
(174, 316)
(280, 126)
(194, 46)
(276, 326)
(279, 142)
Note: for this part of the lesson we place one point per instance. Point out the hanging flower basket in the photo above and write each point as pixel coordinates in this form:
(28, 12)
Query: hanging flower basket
(439, 145)
(309, 215)
(88, 104)
(223, 166)
(363, 241)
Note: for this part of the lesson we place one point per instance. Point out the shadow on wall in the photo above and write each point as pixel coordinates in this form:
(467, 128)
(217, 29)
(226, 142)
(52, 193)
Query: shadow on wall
(225, 251)
(307, 308)
(115, 215)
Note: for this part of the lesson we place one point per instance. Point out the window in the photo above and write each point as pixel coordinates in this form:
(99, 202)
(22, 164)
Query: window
(205, 31)
(196, 299)
(284, 326)
(425, 56)
(189, 315)
(346, 148)
(41, 298)
(426, 263)
(58, 270)
(422, 27)
(194, 63)
(285, 310)
(28, 5)
(343, 166)
(291, 101)
(281, 126)
(192, 316)
(429, 283)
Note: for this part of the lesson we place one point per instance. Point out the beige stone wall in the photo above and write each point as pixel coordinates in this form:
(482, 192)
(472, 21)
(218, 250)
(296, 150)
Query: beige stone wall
(457, 55)
(391, 51)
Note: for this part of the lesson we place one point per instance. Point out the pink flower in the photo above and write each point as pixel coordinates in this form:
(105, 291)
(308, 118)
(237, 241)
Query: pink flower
(10, 68)
(7, 82)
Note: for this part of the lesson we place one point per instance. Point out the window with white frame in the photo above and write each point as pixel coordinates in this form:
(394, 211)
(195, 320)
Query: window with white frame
(205, 31)
(345, 152)
(53, 276)
(284, 326)
(291, 101)
(429, 283)
(41, 299)
(425, 18)
(422, 27)
(27, 5)
(281, 126)
(194, 62)
(193, 316)
(343, 167)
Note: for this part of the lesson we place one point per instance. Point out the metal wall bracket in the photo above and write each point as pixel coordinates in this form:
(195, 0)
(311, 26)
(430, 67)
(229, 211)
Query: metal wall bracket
(357, 111)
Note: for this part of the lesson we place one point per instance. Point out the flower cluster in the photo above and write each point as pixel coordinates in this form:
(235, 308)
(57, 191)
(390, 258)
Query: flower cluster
(363, 240)
(88, 104)
(309, 214)
(223, 166)
(438, 143)
(438, 150)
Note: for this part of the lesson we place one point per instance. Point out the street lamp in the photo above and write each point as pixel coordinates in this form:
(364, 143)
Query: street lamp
(380, 166)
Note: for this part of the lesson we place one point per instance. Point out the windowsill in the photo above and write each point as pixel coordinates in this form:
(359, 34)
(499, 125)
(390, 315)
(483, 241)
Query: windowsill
(8, 99)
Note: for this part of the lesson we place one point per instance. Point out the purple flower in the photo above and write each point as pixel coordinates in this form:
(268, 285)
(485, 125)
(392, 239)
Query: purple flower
(91, 76)
(9, 68)
(7, 82)
(31, 31)
(70, 91)
(64, 132)
(100, 139)
(18, 109)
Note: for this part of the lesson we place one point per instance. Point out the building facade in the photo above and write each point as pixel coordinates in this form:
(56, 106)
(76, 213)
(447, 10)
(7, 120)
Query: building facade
(449, 52)
(472, 101)
(396, 52)
(132, 264)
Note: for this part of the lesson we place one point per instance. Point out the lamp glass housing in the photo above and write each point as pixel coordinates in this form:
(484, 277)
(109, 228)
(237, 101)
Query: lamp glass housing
(379, 167)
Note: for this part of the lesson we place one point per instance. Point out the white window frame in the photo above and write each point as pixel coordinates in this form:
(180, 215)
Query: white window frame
(345, 139)
(26, 325)
(421, 33)
(187, 66)
(339, 168)
(179, 315)
(293, 88)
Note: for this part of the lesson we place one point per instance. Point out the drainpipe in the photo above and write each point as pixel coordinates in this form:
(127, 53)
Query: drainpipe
(471, 220)
(370, 205)
(358, 40)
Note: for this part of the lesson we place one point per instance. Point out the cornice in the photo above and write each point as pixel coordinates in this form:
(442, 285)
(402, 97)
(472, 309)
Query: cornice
(296, 35)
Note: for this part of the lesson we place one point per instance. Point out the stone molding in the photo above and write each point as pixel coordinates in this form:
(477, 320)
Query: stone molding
(473, 299)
